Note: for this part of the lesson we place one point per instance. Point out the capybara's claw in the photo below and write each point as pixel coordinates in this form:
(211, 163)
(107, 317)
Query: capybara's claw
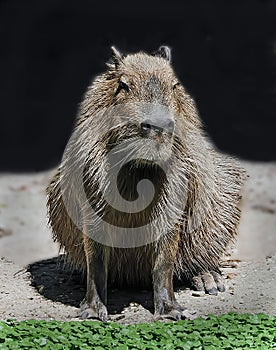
(176, 315)
(173, 311)
(211, 282)
(95, 310)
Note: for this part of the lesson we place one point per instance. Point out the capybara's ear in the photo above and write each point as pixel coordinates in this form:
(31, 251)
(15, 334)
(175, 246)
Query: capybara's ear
(164, 52)
(116, 57)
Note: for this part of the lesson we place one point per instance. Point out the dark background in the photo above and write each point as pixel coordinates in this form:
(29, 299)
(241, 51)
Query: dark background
(223, 52)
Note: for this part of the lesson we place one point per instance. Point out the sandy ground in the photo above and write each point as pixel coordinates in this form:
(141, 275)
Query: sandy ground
(34, 285)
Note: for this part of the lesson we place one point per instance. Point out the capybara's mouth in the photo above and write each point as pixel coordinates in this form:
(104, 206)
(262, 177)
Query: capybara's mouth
(129, 138)
(156, 153)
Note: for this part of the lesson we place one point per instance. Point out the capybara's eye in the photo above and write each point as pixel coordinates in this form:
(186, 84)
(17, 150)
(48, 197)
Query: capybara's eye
(175, 85)
(123, 86)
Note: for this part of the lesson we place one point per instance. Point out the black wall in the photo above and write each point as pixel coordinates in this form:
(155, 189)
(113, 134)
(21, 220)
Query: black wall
(223, 52)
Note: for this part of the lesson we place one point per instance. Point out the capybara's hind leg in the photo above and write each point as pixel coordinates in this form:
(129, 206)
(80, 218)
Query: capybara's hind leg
(93, 305)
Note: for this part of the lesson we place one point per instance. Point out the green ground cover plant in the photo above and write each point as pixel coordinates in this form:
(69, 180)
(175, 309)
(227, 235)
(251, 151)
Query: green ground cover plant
(230, 331)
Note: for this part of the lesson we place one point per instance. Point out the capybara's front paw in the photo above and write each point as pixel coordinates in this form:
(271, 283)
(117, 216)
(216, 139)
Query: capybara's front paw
(174, 311)
(93, 310)
(211, 282)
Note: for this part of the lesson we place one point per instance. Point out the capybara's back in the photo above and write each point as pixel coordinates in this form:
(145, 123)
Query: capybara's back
(141, 194)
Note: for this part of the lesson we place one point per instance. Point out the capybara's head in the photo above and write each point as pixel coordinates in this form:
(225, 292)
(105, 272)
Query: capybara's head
(144, 102)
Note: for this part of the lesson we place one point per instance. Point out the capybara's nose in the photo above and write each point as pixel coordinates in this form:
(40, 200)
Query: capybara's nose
(166, 126)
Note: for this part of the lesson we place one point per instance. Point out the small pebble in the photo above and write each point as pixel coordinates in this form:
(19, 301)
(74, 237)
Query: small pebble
(41, 289)
(230, 276)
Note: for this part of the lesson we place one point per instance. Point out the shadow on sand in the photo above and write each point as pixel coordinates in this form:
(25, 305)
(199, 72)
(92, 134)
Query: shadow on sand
(59, 282)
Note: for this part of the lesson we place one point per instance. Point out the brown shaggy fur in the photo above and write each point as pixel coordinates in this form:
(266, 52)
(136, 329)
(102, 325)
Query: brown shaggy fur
(197, 235)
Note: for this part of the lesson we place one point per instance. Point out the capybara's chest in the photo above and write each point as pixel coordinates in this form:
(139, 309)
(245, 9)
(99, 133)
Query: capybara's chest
(131, 266)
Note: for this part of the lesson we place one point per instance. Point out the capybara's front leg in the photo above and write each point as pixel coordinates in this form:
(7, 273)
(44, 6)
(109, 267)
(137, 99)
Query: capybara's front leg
(165, 304)
(93, 305)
